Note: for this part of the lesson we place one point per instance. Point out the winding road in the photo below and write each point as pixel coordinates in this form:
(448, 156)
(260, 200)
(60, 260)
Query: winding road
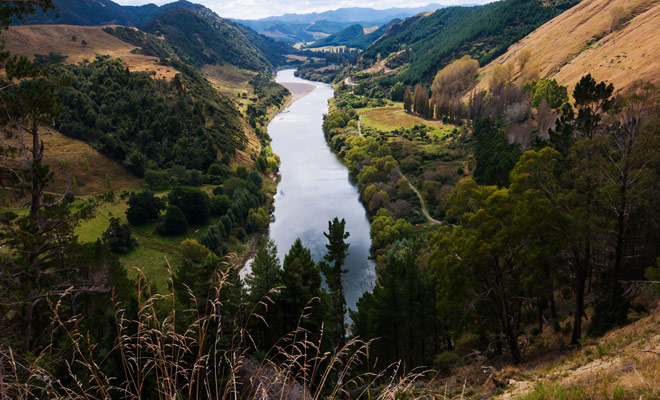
(431, 220)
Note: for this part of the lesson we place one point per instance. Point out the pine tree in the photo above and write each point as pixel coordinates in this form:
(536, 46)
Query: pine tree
(332, 268)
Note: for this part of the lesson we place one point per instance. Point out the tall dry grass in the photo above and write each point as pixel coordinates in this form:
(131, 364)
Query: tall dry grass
(160, 359)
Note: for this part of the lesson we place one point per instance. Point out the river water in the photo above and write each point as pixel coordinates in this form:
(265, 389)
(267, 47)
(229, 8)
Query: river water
(315, 188)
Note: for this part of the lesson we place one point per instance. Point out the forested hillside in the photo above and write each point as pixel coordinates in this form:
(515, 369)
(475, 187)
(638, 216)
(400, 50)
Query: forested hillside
(209, 39)
(143, 122)
(432, 40)
(354, 37)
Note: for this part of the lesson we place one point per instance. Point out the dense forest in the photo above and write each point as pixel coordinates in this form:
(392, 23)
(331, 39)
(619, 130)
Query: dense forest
(572, 217)
(205, 38)
(146, 123)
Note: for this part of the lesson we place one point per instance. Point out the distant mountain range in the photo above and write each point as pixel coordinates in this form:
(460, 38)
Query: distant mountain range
(295, 28)
(104, 12)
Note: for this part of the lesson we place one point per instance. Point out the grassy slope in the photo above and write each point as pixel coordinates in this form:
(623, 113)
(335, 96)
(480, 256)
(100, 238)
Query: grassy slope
(29, 40)
(579, 41)
(624, 364)
(153, 249)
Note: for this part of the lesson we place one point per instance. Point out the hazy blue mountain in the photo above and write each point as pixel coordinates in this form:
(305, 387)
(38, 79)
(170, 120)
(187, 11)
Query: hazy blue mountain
(354, 36)
(308, 27)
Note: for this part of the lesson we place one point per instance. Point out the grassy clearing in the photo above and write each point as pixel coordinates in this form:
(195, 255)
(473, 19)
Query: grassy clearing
(230, 80)
(394, 117)
(152, 248)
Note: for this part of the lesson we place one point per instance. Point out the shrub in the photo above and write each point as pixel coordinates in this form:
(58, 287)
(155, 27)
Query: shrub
(445, 361)
(192, 250)
(174, 223)
(219, 205)
(194, 203)
(143, 207)
(118, 237)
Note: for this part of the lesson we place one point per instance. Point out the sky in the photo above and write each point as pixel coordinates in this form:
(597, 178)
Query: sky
(255, 9)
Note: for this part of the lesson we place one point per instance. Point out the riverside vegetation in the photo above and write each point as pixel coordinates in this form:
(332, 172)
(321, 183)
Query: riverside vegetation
(547, 236)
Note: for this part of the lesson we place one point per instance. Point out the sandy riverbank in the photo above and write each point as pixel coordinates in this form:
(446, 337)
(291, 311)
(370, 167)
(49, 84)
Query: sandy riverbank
(298, 90)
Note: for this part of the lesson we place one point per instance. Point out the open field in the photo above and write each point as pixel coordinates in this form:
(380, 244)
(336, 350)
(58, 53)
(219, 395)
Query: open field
(393, 117)
(581, 40)
(29, 40)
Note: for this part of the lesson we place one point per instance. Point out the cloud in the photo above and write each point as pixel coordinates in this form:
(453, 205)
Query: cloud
(255, 9)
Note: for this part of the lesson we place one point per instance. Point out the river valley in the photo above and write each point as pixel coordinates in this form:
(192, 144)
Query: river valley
(315, 186)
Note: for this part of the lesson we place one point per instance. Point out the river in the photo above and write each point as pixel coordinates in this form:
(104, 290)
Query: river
(315, 187)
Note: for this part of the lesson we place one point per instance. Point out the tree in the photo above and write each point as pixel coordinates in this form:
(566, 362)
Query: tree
(143, 207)
(408, 100)
(500, 78)
(174, 223)
(548, 90)
(622, 156)
(301, 278)
(264, 280)
(194, 203)
(219, 205)
(118, 237)
(522, 58)
(495, 156)
(332, 268)
(455, 78)
(421, 102)
(212, 239)
(137, 164)
(398, 91)
(592, 101)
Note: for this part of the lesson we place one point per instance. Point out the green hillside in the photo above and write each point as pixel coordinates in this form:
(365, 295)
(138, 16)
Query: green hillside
(482, 32)
(354, 37)
(208, 39)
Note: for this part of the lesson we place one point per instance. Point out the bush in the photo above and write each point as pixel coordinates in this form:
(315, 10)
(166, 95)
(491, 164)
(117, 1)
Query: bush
(157, 179)
(194, 203)
(193, 251)
(212, 239)
(218, 170)
(118, 237)
(174, 223)
(195, 177)
(445, 361)
(231, 185)
(467, 343)
(143, 207)
(219, 205)
(241, 171)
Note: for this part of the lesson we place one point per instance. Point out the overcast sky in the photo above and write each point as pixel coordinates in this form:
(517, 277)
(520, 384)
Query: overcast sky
(255, 9)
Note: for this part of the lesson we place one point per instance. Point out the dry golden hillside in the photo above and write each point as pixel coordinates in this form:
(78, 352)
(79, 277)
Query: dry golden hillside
(584, 40)
(79, 168)
(29, 40)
